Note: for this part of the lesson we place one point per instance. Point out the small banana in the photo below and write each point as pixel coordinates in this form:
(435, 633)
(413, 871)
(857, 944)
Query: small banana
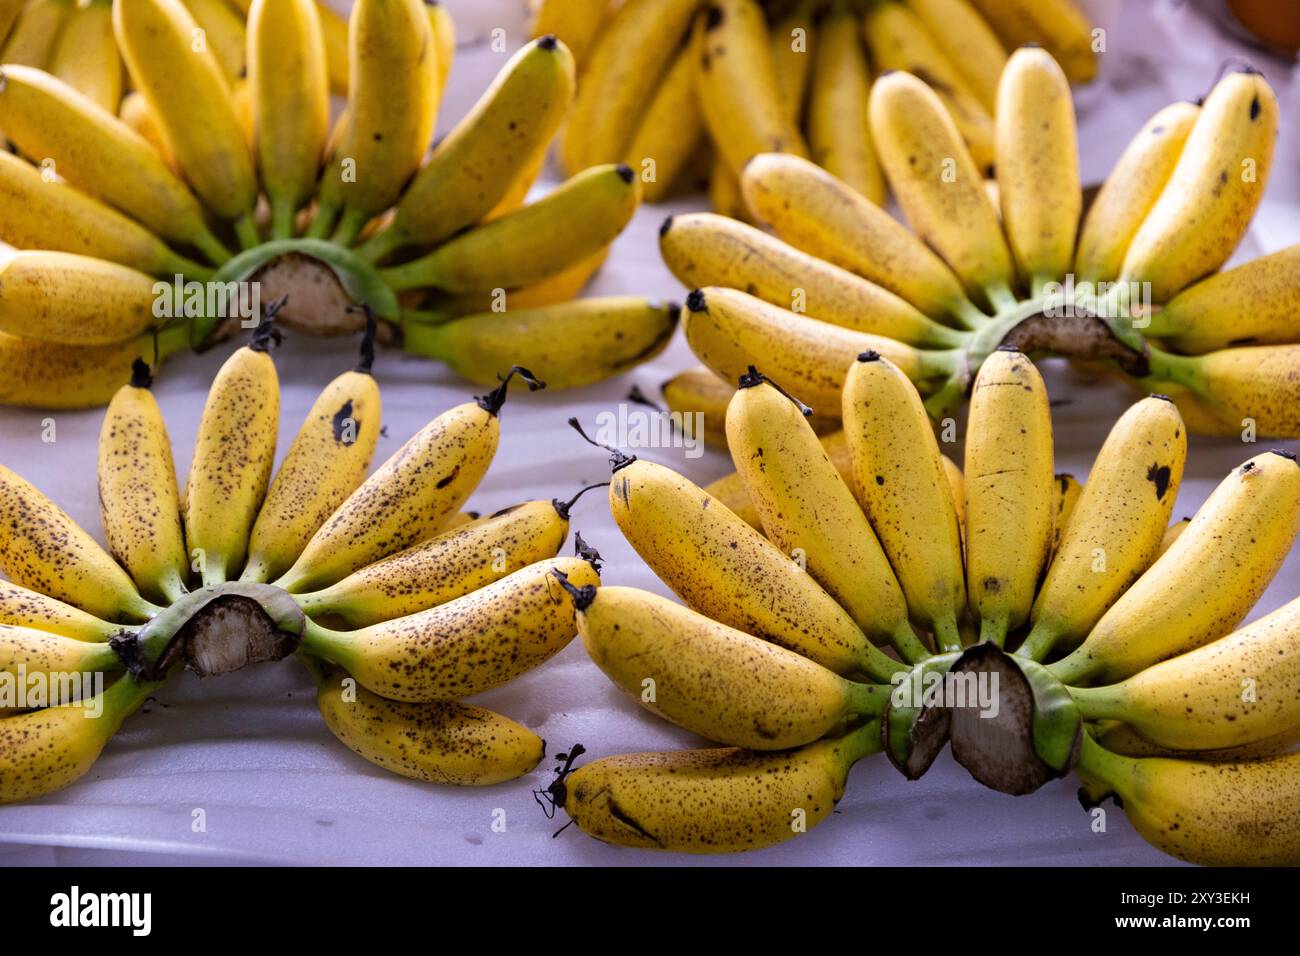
(139, 505)
(466, 646)
(223, 33)
(334, 33)
(43, 549)
(443, 30)
(233, 454)
(697, 391)
(327, 461)
(31, 609)
(71, 299)
(1252, 388)
(730, 490)
(560, 288)
(838, 138)
(815, 212)
(807, 509)
(58, 663)
(440, 742)
(448, 566)
(967, 42)
(1116, 527)
(791, 41)
(1207, 581)
(1066, 490)
(1213, 192)
(134, 111)
(1057, 25)
(576, 23)
(1009, 492)
(1129, 192)
(574, 221)
(902, 485)
(86, 56)
(669, 133)
(36, 33)
(938, 186)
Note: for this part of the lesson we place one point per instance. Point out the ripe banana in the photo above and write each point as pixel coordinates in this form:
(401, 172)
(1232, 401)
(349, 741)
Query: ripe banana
(1215, 814)
(573, 222)
(1207, 581)
(334, 33)
(722, 800)
(76, 376)
(899, 42)
(448, 566)
(72, 300)
(43, 549)
(790, 40)
(808, 511)
(815, 212)
(440, 742)
(443, 30)
(30, 609)
(101, 156)
(86, 56)
(327, 461)
(473, 168)
(670, 132)
(1065, 496)
(730, 490)
(411, 497)
(289, 94)
(1253, 304)
(186, 91)
(135, 113)
(937, 185)
(1213, 192)
(698, 391)
(737, 87)
(1116, 527)
(233, 454)
(139, 505)
(562, 287)
(1129, 192)
(705, 249)
(1253, 388)
(1055, 24)
(466, 646)
(1233, 692)
(36, 33)
(575, 22)
(57, 664)
(713, 680)
(1009, 492)
(730, 330)
(223, 34)
(967, 42)
(1038, 167)
(568, 345)
(724, 192)
(903, 487)
(627, 58)
(838, 138)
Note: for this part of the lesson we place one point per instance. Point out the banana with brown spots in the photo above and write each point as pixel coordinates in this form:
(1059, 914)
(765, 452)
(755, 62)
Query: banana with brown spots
(32, 610)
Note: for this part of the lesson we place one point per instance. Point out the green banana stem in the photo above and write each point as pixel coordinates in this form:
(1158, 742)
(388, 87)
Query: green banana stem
(425, 317)
(1184, 370)
(211, 247)
(379, 246)
(427, 339)
(126, 696)
(1098, 703)
(993, 630)
(908, 644)
(861, 742)
(1036, 646)
(968, 315)
(1001, 297)
(323, 221)
(1097, 762)
(948, 397)
(948, 636)
(351, 223)
(246, 231)
(878, 665)
(869, 700)
(282, 217)
(415, 274)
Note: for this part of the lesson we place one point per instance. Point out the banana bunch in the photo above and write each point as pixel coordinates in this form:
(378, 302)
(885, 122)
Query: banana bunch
(139, 229)
(398, 603)
(1132, 282)
(830, 574)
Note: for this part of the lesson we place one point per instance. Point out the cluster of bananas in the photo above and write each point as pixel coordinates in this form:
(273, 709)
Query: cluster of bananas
(442, 248)
(1132, 283)
(871, 538)
(399, 604)
(734, 78)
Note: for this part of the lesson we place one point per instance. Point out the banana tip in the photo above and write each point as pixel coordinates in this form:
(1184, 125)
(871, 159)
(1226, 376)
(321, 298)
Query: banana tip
(547, 42)
(695, 301)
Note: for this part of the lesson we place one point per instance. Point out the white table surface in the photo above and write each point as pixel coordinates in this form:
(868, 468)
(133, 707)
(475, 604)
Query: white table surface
(251, 751)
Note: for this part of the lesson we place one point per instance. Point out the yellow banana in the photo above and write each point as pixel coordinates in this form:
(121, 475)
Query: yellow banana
(723, 800)
(725, 198)
(223, 34)
(730, 330)
(72, 300)
(737, 86)
(56, 665)
(899, 42)
(815, 212)
(790, 41)
(327, 461)
(443, 30)
(937, 185)
(1116, 527)
(578, 219)
(86, 56)
(705, 249)
(31, 609)
(575, 22)
(957, 486)
(441, 742)
(730, 490)
(698, 391)
(567, 345)
(627, 58)
(1207, 581)
(43, 549)
(1038, 167)
(135, 113)
(838, 138)
(36, 33)
(1213, 192)
(562, 287)
(1057, 25)
(1131, 189)
(809, 512)
(471, 170)
(902, 485)
(334, 33)
(669, 133)
(713, 680)
(455, 563)
(1253, 304)
(101, 156)
(1252, 388)
(967, 42)
(522, 184)
(1009, 492)
(10, 10)
(466, 646)
(191, 99)
(139, 505)
(1065, 495)
(233, 454)
(289, 93)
